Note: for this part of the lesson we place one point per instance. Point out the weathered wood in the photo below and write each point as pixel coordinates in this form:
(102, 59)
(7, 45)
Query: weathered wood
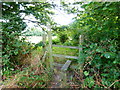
(66, 65)
(44, 41)
(60, 65)
(63, 73)
(44, 56)
(80, 42)
(73, 47)
(81, 59)
(80, 49)
(50, 47)
(64, 56)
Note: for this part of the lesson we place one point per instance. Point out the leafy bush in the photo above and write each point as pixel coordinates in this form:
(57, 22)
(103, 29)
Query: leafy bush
(61, 33)
(11, 29)
(63, 37)
(56, 41)
(13, 25)
(101, 47)
(99, 23)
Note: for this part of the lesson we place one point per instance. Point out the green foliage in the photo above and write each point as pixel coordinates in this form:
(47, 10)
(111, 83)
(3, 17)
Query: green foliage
(99, 23)
(89, 81)
(13, 25)
(63, 37)
(56, 41)
(32, 32)
(38, 45)
(61, 33)
(33, 80)
(101, 42)
(35, 76)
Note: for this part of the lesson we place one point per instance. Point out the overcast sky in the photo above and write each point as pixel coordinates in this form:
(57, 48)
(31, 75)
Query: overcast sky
(60, 17)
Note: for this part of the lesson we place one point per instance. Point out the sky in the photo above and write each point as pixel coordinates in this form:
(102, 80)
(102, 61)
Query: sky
(60, 17)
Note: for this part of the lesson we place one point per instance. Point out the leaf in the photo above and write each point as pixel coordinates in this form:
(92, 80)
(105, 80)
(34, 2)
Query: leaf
(115, 62)
(112, 48)
(16, 52)
(110, 55)
(107, 55)
(99, 28)
(89, 81)
(99, 50)
(86, 73)
(104, 74)
(105, 8)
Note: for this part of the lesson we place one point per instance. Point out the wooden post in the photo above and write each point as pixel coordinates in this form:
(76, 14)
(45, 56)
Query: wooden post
(80, 42)
(44, 42)
(50, 47)
(80, 57)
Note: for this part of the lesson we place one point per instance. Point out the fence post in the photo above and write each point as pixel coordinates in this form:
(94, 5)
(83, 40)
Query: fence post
(44, 41)
(81, 57)
(50, 47)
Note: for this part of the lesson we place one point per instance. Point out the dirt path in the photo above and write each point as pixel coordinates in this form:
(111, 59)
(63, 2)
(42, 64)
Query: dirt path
(56, 83)
(61, 79)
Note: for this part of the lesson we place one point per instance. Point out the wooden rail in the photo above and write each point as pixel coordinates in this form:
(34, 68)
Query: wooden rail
(73, 47)
(58, 55)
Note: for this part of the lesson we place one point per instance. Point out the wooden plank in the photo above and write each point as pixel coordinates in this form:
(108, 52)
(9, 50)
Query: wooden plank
(60, 65)
(73, 47)
(58, 55)
(63, 73)
(66, 65)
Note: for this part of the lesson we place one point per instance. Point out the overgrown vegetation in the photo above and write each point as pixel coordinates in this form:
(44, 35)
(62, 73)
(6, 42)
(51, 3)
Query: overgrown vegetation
(15, 52)
(34, 75)
(98, 22)
(13, 15)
